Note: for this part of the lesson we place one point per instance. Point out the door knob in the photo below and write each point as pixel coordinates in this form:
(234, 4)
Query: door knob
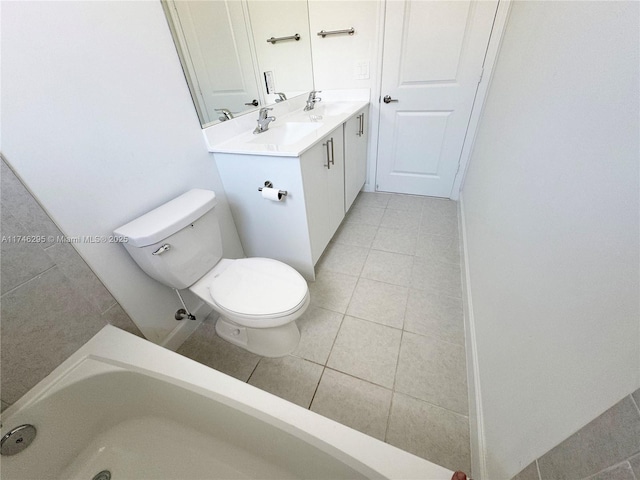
(388, 99)
(254, 103)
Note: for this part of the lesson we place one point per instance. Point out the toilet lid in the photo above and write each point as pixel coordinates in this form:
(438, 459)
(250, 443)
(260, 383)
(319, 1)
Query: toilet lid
(258, 286)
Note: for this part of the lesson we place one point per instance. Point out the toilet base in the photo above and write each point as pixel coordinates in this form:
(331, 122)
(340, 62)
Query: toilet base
(266, 342)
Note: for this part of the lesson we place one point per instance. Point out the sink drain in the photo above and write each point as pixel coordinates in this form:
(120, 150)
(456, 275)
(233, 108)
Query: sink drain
(103, 475)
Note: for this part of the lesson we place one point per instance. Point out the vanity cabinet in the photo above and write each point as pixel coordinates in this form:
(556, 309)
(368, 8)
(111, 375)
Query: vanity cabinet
(355, 155)
(323, 183)
(322, 175)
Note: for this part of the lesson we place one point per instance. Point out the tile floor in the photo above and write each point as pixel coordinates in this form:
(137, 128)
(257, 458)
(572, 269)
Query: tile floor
(382, 344)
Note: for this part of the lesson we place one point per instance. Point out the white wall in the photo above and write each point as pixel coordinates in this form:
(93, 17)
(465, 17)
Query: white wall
(98, 122)
(335, 57)
(551, 213)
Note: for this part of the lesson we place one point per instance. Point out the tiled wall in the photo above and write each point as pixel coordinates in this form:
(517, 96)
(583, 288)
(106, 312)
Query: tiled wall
(608, 448)
(51, 301)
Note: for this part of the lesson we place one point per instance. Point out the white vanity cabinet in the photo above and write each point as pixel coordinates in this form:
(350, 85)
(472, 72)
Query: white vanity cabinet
(323, 183)
(322, 170)
(355, 155)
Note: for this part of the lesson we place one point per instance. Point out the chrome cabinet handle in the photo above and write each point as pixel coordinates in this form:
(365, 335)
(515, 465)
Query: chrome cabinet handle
(328, 165)
(361, 125)
(388, 99)
(332, 155)
(254, 103)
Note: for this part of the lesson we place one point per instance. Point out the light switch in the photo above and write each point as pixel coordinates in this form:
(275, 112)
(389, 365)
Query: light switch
(269, 83)
(361, 71)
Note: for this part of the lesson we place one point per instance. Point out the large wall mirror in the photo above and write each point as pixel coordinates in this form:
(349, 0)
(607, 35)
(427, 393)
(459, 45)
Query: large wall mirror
(239, 55)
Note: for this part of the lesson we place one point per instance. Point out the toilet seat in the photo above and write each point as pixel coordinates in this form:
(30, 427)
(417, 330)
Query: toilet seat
(259, 292)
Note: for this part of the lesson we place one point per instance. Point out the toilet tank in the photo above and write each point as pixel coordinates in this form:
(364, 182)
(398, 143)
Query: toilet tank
(188, 228)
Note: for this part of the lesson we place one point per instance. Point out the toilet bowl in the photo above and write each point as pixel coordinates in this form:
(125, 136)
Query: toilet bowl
(258, 299)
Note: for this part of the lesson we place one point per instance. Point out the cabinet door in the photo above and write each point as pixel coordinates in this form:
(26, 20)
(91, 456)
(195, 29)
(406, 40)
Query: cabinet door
(355, 156)
(335, 181)
(323, 180)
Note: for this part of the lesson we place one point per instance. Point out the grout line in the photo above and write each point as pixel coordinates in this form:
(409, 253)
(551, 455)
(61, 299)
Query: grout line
(358, 378)
(28, 281)
(254, 369)
(633, 400)
(538, 469)
(333, 344)
(432, 404)
(316, 389)
(393, 386)
(633, 473)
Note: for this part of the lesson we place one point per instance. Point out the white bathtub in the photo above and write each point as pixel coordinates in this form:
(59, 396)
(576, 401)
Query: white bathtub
(143, 412)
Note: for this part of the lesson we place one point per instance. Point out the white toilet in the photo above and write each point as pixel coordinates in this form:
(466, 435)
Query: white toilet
(259, 299)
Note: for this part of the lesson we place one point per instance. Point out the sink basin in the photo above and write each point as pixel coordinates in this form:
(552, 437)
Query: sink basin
(331, 109)
(286, 134)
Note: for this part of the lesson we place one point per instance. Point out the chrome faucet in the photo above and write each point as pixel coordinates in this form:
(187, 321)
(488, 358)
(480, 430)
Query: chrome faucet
(281, 97)
(263, 120)
(311, 101)
(226, 114)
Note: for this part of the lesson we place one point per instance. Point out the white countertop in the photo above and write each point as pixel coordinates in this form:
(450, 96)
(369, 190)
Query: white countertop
(292, 133)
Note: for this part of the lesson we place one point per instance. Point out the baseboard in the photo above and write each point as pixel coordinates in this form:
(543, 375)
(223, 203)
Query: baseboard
(476, 425)
(184, 328)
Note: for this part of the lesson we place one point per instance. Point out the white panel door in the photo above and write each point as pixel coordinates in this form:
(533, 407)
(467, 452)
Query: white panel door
(219, 51)
(432, 64)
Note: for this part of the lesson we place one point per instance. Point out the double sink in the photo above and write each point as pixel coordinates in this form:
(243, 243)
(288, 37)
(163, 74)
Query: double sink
(295, 132)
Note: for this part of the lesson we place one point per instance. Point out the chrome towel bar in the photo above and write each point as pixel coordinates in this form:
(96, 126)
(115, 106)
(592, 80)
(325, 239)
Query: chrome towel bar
(323, 33)
(273, 40)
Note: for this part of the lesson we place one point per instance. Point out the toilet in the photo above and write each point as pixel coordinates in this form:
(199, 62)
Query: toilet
(258, 299)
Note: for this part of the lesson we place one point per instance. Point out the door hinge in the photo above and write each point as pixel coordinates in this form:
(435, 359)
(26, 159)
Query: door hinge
(481, 74)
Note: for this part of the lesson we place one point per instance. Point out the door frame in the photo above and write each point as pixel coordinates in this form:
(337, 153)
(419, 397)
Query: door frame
(493, 49)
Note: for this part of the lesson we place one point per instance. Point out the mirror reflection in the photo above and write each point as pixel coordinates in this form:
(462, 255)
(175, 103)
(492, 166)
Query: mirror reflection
(239, 55)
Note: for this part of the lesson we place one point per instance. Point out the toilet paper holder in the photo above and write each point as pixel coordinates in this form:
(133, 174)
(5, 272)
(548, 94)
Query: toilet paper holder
(269, 184)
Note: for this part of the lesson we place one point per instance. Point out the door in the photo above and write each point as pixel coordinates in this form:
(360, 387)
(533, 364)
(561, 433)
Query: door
(355, 156)
(323, 180)
(432, 65)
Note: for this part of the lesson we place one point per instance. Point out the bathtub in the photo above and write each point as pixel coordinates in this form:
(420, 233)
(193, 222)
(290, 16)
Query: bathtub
(139, 411)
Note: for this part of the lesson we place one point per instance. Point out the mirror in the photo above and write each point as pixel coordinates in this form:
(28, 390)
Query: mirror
(238, 55)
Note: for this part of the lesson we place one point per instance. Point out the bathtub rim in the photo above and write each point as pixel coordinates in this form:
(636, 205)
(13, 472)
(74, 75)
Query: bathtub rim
(112, 349)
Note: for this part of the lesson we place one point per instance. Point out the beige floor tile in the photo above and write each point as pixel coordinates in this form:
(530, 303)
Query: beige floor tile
(291, 378)
(434, 371)
(332, 290)
(360, 405)
(439, 224)
(440, 206)
(205, 347)
(435, 315)
(388, 267)
(364, 215)
(436, 276)
(366, 350)
(407, 220)
(438, 247)
(355, 234)
(414, 203)
(430, 432)
(379, 302)
(395, 240)
(372, 199)
(340, 258)
(318, 330)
